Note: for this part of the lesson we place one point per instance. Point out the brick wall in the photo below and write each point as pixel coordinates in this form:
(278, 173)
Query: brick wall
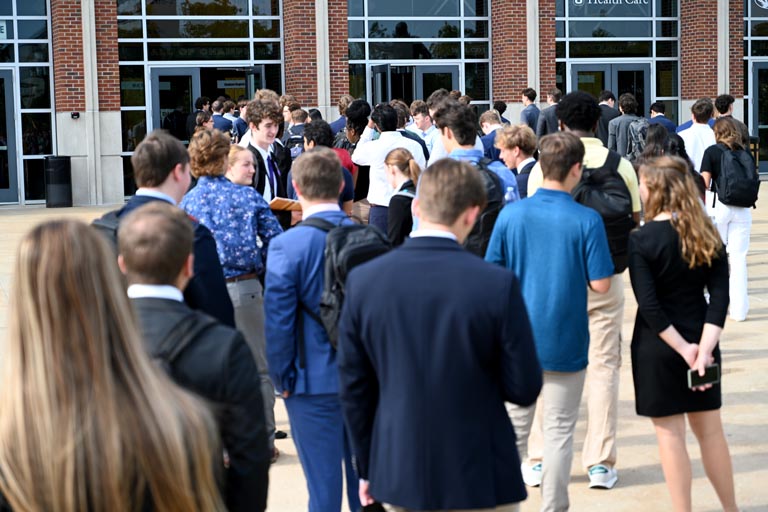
(736, 48)
(68, 72)
(698, 54)
(106, 53)
(300, 50)
(509, 68)
(339, 49)
(546, 47)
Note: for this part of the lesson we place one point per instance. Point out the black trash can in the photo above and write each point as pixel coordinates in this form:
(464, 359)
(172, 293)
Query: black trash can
(58, 181)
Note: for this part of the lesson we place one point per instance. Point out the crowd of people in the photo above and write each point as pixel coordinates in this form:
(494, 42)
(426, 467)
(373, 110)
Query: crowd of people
(143, 361)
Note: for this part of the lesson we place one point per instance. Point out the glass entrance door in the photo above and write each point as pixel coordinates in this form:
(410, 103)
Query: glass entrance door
(174, 91)
(409, 83)
(9, 185)
(381, 84)
(759, 125)
(431, 78)
(617, 78)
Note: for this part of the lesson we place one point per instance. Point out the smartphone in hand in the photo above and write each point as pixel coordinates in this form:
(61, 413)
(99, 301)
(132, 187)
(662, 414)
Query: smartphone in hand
(711, 376)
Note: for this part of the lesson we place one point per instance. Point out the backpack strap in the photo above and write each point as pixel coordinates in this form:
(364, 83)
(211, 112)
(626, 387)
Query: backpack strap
(612, 161)
(181, 335)
(317, 222)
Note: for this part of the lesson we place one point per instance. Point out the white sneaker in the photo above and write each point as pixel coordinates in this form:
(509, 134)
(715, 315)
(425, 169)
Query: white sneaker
(531, 474)
(602, 477)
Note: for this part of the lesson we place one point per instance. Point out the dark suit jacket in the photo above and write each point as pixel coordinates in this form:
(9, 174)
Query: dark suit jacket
(490, 150)
(547, 122)
(426, 363)
(663, 121)
(283, 162)
(207, 291)
(606, 114)
(219, 367)
(221, 123)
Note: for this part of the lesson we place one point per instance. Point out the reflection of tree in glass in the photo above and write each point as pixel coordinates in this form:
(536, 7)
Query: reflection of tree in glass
(36, 138)
(376, 31)
(210, 7)
(601, 32)
(446, 50)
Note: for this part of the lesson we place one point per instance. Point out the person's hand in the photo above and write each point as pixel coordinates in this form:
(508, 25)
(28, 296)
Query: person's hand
(371, 124)
(286, 394)
(703, 360)
(364, 493)
(689, 352)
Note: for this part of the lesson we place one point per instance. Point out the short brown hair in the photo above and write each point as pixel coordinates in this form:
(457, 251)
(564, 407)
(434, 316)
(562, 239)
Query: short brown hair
(286, 99)
(208, 150)
(267, 95)
(299, 115)
(419, 107)
(318, 174)
(155, 241)
(702, 110)
(557, 154)
(155, 157)
(403, 112)
(628, 103)
(516, 136)
(447, 188)
(465, 99)
(344, 102)
(258, 110)
(490, 117)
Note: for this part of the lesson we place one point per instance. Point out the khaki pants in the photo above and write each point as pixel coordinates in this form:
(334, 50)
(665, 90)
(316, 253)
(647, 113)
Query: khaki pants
(512, 507)
(559, 410)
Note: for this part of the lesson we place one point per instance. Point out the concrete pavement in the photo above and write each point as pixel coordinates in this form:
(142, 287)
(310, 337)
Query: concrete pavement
(641, 483)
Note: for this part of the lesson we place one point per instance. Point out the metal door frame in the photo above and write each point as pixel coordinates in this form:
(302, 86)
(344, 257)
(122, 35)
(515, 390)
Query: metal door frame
(611, 70)
(418, 89)
(154, 106)
(13, 194)
(754, 107)
(375, 95)
(646, 68)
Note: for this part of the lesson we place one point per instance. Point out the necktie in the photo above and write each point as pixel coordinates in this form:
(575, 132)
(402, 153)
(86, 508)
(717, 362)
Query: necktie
(272, 174)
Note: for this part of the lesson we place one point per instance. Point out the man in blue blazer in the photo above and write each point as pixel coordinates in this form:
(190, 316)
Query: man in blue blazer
(308, 379)
(438, 352)
(220, 122)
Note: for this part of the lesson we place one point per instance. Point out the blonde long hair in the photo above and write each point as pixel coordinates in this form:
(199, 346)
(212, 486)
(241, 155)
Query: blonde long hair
(671, 189)
(87, 421)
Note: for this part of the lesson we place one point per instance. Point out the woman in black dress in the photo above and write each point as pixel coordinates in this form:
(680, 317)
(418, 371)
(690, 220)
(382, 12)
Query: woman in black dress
(672, 258)
(402, 174)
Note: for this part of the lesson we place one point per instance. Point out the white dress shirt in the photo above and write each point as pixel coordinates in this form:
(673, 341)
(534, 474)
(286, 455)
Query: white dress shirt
(373, 152)
(155, 291)
(697, 139)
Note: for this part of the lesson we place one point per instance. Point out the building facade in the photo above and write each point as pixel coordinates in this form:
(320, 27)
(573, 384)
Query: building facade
(90, 79)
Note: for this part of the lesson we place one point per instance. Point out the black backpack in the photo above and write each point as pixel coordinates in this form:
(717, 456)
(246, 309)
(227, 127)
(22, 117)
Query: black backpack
(179, 337)
(737, 183)
(107, 225)
(294, 143)
(346, 246)
(478, 238)
(638, 131)
(604, 190)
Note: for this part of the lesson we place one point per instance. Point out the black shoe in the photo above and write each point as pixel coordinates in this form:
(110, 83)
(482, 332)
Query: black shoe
(279, 434)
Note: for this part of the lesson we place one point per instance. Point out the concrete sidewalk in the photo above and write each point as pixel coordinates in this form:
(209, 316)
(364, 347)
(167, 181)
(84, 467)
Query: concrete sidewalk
(641, 482)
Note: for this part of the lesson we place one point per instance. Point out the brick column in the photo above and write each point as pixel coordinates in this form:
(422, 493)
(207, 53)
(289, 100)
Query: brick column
(339, 48)
(736, 49)
(698, 58)
(300, 50)
(106, 54)
(509, 67)
(546, 47)
(68, 70)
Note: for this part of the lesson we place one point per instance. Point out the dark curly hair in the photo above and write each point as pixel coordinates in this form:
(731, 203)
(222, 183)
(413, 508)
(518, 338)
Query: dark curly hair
(578, 111)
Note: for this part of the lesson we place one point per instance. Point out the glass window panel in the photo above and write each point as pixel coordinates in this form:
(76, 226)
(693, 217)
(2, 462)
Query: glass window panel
(9, 29)
(399, 51)
(6, 53)
(129, 183)
(266, 51)
(610, 49)
(610, 29)
(475, 50)
(475, 7)
(266, 28)
(198, 51)
(666, 78)
(267, 8)
(31, 8)
(560, 8)
(666, 48)
(356, 29)
(355, 8)
(559, 29)
(560, 75)
(35, 87)
(410, 8)
(476, 80)
(130, 51)
(475, 28)
(36, 134)
(6, 8)
(356, 51)
(134, 127)
(357, 80)
(560, 50)
(666, 8)
(759, 48)
(131, 86)
(128, 7)
(666, 29)
(273, 77)
(130, 29)
(200, 29)
(413, 29)
(33, 52)
(595, 10)
(34, 179)
(198, 8)
(672, 108)
(759, 29)
(32, 29)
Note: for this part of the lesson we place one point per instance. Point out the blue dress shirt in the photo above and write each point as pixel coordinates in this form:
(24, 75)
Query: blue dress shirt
(474, 156)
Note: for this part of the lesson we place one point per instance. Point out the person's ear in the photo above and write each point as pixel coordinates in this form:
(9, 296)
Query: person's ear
(121, 264)
(298, 190)
(189, 266)
(341, 187)
(416, 208)
(470, 216)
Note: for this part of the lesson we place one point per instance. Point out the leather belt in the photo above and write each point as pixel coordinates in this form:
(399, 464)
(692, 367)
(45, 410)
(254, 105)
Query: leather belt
(242, 277)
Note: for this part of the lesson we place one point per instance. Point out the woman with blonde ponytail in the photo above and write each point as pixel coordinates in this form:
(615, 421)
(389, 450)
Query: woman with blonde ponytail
(88, 423)
(403, 175)
(672, 259)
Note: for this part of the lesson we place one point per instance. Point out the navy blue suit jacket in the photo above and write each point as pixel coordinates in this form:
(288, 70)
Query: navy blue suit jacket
(488, 145)
(207, 291)
(432, 342)
(221, 123)
(664, 121)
